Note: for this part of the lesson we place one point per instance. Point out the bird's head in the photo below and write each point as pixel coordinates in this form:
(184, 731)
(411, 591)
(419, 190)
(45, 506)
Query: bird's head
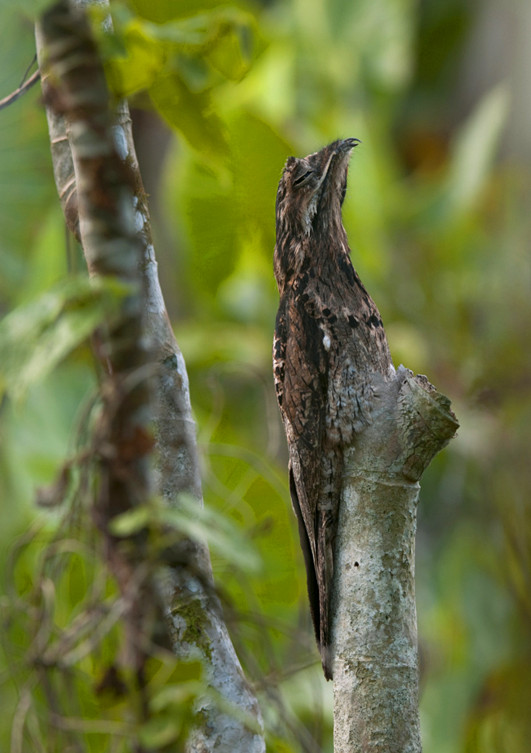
(309, 198)
(313, 186)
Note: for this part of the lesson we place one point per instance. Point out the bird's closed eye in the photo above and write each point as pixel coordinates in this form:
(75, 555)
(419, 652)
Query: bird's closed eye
(303, 178)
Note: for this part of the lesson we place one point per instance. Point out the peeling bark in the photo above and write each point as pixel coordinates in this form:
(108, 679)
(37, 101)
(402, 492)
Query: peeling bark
(88, 140)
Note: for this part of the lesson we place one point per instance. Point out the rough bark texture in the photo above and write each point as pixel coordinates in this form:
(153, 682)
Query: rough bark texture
(186, 587)
(105, 192)
(375, 625)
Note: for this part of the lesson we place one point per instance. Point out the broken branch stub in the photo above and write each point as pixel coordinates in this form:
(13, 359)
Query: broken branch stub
(375, 623)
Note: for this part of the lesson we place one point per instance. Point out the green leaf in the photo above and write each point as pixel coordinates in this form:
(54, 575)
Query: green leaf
(184, 672)
(166, 10)
(475, 149)
(140, 66)
(190, 519)
(215, 529)
(229, 55)
(190, 35)
(132, 521)
(141, 51)
(240, 209)
(191, 113)
(164, 671)
(160, 731)
(35, 337)
(175, 695)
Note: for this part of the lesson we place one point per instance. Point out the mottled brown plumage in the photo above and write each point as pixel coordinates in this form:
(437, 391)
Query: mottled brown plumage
(329, 342)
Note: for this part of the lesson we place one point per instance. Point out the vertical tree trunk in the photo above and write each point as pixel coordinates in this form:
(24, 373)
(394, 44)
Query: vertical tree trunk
(94, 159)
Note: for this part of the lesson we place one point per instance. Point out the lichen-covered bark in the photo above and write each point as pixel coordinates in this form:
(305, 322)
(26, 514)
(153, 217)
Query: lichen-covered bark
(375, 625)
(79, 156)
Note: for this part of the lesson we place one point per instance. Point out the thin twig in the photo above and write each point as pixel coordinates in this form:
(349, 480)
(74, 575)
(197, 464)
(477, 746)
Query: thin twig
(28, 69)
(22, 89)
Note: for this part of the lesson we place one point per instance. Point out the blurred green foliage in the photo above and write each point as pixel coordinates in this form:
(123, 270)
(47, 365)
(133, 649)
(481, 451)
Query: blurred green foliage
(439, 226)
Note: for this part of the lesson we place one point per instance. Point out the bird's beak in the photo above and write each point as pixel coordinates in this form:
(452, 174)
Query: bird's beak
(342, 150)
(347, 145)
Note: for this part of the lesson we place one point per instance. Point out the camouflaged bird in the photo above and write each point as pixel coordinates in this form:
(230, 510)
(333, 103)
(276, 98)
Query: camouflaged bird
(329, 342)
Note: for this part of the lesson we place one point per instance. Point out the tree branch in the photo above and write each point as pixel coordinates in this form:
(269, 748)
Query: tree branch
(375, 625)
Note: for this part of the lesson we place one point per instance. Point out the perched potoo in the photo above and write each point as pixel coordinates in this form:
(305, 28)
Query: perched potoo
(329, 342)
